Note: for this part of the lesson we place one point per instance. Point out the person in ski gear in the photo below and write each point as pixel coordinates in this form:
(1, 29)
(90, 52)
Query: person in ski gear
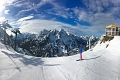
(80, 51)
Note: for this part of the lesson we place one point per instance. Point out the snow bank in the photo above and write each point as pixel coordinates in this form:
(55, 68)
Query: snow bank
(114, 45)
(100, 46)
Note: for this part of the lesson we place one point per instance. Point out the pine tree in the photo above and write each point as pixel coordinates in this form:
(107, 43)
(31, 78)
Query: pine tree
(5, 25)
(16, 32)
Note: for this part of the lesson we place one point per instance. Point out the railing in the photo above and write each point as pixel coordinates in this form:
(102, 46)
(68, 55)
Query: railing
(113, 33)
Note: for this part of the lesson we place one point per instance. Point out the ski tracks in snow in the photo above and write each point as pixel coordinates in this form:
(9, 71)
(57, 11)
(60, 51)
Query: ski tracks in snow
(55, 71)
(101, 68)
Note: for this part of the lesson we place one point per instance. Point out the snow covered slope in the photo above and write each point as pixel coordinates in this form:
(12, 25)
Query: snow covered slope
(112, 46)
(99, 64)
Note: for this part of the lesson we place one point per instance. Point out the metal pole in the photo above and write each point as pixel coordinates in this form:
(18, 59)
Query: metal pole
(111, 31)
(89, 42)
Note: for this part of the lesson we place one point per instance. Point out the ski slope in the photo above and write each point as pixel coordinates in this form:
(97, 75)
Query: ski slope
(100, 64)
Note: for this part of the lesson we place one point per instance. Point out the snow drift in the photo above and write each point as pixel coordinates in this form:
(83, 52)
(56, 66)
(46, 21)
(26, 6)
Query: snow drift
(111, 45)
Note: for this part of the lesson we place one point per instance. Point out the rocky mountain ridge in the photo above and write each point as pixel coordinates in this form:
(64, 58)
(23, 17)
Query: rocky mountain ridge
(53, 42)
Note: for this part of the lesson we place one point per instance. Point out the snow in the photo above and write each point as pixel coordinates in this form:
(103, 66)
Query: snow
(100, 46)
(99, 64)
(114, 45)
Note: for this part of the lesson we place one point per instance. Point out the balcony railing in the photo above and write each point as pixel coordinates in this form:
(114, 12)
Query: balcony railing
(113, 33)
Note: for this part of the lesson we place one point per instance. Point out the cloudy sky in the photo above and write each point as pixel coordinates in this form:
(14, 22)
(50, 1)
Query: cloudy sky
(81, 17)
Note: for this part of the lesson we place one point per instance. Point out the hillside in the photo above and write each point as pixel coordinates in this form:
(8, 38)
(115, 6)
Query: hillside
(109, 43)
(100, 64)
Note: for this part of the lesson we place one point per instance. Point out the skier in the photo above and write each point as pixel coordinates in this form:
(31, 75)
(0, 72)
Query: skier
(80, 51)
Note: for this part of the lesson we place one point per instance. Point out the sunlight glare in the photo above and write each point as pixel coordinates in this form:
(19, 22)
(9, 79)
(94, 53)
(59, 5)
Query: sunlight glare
(4, 3)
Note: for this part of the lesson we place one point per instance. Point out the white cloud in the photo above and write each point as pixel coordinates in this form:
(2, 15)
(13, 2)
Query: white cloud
(101, 5)
(30, 5)
(35, 26)
(60, 13)
(4, 3)
(98, 13)
(25, 18)
(100, 9)
(2, 19)
(17, 3)
(38, 25)
(22, 11)
(115, 2)
(8, 2)
(77, 10)
(57, 9)
(6, 11)
(83, 16)
(99, 21)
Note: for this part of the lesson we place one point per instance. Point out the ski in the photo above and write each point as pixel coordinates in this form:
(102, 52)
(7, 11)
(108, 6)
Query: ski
(79, 60)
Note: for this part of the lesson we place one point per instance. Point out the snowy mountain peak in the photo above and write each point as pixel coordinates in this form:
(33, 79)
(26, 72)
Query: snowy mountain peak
(54, 32)
(42, 34)
(62, 32)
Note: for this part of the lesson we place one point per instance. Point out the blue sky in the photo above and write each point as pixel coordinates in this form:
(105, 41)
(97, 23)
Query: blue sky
(81, 17)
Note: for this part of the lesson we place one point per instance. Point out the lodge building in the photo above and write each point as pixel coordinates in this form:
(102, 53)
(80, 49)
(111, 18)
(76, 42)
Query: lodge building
(112, 30)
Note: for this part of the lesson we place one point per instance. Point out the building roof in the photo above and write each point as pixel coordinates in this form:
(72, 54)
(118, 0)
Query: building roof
(111, 26)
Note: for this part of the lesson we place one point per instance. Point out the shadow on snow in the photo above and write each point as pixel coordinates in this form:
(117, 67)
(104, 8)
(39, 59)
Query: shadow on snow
(92, 58)
(31, 60)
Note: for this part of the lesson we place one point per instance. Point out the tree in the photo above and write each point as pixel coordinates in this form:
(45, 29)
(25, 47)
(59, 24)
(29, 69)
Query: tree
(5, 25)
(15, 31)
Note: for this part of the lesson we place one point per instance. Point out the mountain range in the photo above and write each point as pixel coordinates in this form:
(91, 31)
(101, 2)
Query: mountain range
(50, 43)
